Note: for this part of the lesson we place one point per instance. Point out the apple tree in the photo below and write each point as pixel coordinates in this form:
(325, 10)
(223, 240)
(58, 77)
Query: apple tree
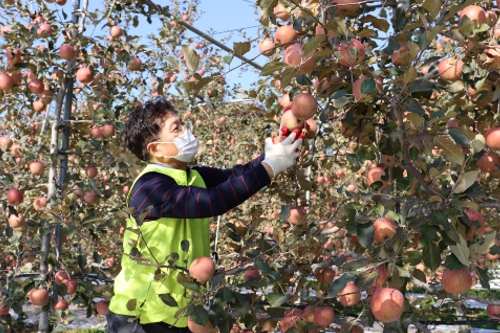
(396, 189)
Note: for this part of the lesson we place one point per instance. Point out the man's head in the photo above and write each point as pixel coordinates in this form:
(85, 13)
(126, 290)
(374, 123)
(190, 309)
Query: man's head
(150, 132)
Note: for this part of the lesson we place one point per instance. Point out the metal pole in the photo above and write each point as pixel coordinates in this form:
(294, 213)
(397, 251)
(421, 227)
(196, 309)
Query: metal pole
(63, 158)
(67, 88)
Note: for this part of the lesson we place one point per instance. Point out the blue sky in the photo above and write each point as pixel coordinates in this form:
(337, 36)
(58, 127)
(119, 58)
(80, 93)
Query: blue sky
(218, 16)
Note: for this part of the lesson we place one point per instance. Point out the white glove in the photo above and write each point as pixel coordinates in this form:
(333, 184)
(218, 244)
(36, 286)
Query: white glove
(282, 155)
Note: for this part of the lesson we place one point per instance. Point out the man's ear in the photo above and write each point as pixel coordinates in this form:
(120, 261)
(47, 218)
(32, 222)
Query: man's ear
(153, 149)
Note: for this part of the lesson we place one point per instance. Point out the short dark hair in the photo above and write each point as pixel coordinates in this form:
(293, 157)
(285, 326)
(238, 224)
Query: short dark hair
(144, 125)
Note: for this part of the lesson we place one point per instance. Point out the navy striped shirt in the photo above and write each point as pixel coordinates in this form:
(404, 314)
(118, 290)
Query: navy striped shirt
(225, 190)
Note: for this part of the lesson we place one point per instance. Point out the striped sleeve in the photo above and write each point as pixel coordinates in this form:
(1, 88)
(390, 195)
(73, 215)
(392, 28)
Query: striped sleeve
(171, 200)
(215, 176)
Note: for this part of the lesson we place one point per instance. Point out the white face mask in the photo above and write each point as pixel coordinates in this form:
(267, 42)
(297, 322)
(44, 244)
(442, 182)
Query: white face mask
(187, 144)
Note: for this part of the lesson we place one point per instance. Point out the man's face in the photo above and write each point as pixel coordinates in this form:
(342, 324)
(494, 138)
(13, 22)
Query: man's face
(173, 127)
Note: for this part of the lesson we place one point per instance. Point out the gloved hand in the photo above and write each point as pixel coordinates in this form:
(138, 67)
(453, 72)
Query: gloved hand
(282, 155)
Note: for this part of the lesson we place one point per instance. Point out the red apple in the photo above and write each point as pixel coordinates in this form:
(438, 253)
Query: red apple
(102, 307)
(325, 275)
(324, 316)
(60, 276)
(350, 295)
(196, 328)
(251, 274)
(385, 228)
(304, 106)
(71, 286)
(15, 197)
(39, 296)
(37, 168)
(493, 311)
(456, 282)
(91, 171)
(202, 269)
(493, 138)
(61, 304)
(387, 304)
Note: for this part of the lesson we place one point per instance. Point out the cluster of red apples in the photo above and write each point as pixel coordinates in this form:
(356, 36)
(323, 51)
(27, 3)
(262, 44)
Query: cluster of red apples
(297, 118)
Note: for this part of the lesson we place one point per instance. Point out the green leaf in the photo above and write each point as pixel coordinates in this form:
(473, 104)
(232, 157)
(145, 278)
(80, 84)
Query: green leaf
(495, 250)
(323, 53)
(420, 85)
(365, 281)
(191, 286)
(412, 257)
(276, 300)
(402, 272)
(365, 233)
(339, 284)
(453, 263)
(185, 245)
(483, 277)
(452, 152)
(353, 265)
(241, 48)
(224, 294)
(242, 304)
(271, 67)
(199, 315)
(168, 300)
(287, 76)
(276, 312)
(458, 137)
(393, 46)
(313, 43)
(432, 256)
(82, 261)
(392, 215)
(192, 59)
(353, 160)
(268, 270)
(228, 58)
(367, 86)
(438, 218)
(338, 94)
(414, 106)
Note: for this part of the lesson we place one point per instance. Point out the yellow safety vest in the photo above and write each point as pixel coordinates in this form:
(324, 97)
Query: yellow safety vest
(163, 237)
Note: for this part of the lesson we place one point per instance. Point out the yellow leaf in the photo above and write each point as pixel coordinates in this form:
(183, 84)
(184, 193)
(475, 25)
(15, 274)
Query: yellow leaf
(478, 143)
(432, 6)
(452, 152)
(376, 22)
(461, 251)
(471, 205)
(415, 119)
(466, 181)
(368, 33)
(489, 241)
(435, 198)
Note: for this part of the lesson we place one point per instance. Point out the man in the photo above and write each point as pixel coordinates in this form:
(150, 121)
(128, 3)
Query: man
(176, 203)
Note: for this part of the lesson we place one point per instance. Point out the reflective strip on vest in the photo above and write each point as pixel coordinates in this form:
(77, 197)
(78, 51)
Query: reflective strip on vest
(163, 237)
